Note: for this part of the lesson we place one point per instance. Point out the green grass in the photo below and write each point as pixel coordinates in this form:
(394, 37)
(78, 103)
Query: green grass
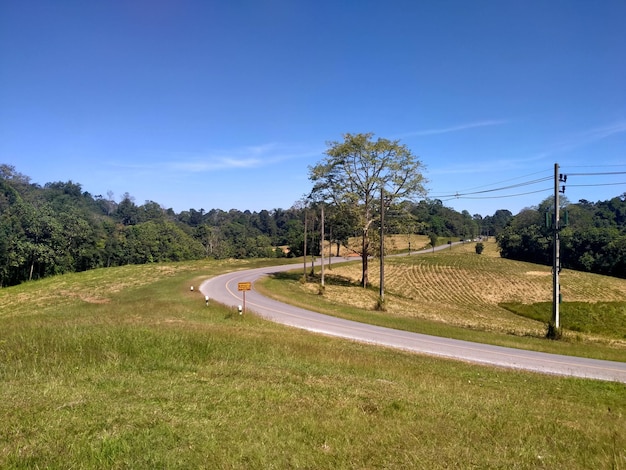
(286, 287)
(459, 294)
(600, 318)
(126, 368)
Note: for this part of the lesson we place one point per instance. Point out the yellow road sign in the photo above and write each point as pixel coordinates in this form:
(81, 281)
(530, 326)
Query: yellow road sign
(244, 286)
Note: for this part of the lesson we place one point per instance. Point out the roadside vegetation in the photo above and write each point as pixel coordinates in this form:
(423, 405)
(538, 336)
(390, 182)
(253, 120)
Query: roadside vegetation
(127, 368)
(458, 293)
(109, 359)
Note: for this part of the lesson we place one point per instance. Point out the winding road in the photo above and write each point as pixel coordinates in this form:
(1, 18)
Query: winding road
(224, 289)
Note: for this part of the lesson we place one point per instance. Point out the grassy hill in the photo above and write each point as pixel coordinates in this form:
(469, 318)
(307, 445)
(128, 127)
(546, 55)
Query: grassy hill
(127, 368)
(485, 298)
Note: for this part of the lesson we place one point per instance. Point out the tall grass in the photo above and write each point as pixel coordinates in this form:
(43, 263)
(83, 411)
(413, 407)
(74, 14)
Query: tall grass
(147, 376)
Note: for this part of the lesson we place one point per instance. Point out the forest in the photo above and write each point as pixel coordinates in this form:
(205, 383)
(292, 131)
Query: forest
(59, 228)
(592, 235)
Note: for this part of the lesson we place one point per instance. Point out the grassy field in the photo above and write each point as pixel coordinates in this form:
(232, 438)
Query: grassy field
(393, 244)
(127, 368)
(485, 298)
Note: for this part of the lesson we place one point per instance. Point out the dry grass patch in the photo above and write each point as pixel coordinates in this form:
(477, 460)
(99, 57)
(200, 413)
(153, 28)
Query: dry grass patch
(461, 288)
(96, 286)
(394, 243)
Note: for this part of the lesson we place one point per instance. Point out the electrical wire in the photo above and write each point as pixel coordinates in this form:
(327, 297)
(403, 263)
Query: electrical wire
(464, 195)
(598, 174)
(596, 166)
(501, 182)
(592, 185)
(500, 196)
(470, 194)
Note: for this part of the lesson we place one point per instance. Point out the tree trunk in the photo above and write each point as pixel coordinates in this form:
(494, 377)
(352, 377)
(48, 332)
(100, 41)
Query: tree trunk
(364, 259)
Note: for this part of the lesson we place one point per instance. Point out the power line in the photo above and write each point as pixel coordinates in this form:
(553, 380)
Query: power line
(596, 166)
(598, 174)
(501, 182)
(592, 185)
(458, 195)
(469, 194)
(499, 196)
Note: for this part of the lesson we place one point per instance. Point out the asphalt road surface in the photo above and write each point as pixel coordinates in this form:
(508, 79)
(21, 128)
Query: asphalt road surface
(224, 289)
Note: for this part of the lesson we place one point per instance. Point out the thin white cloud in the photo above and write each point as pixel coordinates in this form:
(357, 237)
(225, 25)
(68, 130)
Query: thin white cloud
(489, 166)
(530, 161)
(589, 136)
(248, 157)
(213, 164)
(458, 128)
(243, 158)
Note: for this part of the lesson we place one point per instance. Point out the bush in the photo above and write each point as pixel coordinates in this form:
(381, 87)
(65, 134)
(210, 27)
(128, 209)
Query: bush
(479, 247)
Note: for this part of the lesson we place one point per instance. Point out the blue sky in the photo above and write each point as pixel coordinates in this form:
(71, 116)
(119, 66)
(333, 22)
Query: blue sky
(225, 104)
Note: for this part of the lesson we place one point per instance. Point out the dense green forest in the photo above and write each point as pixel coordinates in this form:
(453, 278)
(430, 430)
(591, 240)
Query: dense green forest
(593, 236)
(58, 228)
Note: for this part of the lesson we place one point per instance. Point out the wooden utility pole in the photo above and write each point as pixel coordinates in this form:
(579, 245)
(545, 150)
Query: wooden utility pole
(305, 237)
(330, 245)
(556, 259)
(322, 246)
(382, 245)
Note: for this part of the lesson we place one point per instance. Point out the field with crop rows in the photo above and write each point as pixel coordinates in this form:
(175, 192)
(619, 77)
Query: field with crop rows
(461, 288)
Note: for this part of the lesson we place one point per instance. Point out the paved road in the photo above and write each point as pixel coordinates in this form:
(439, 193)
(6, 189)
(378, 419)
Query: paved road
(223, 289)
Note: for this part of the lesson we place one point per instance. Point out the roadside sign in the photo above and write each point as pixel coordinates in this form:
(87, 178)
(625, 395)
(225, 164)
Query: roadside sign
(243, 286)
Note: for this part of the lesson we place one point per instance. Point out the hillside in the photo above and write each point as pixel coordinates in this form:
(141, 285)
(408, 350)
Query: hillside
(127, 368)
(459, 288)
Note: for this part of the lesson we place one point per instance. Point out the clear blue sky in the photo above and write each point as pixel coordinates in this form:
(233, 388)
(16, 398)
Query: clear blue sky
(225, 104)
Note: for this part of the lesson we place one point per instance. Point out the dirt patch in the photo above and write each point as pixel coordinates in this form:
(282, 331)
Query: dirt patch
(94, 300)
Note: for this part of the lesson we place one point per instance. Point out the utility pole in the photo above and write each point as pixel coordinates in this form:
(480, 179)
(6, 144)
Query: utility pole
(382, 245)
(322, 247)
(330, 246)
(556, 259)
(305, 237)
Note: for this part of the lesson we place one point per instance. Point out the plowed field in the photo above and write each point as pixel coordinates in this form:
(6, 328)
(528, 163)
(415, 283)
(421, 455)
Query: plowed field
(462, 288)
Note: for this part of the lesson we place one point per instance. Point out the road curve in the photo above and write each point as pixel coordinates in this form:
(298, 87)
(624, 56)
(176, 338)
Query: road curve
(224, 289)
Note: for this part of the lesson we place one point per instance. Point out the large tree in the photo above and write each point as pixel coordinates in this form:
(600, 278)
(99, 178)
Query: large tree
(358, 172)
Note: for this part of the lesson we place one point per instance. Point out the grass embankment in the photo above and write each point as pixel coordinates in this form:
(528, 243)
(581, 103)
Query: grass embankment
(126, 368)
(484, 298)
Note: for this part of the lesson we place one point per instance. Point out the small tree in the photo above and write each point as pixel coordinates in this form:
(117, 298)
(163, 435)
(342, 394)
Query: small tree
(479, 248)
(433, 239)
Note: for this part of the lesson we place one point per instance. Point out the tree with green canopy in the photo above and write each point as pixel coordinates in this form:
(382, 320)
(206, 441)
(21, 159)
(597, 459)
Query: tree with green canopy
(358, 173)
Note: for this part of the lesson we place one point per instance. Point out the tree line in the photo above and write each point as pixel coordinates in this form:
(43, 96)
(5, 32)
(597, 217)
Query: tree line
(592, 237)
(59, 228)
